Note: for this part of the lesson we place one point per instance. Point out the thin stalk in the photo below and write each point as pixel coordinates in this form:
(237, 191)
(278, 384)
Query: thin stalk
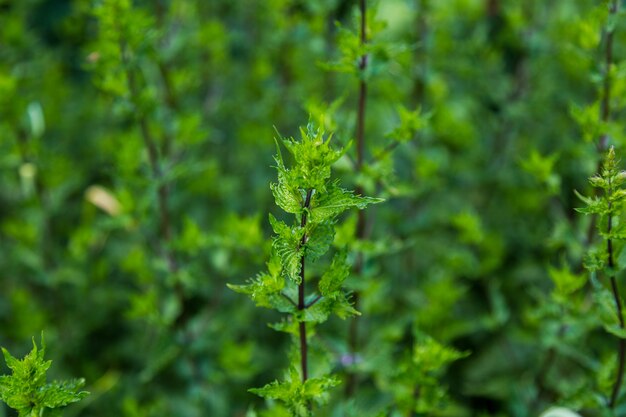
(621, 354)
(165, 225)
(419, 88)
(314, 301)
(285, 296)
(605, 102)
(301, 292)
(416, 396)
(353, 334)
(165, 230)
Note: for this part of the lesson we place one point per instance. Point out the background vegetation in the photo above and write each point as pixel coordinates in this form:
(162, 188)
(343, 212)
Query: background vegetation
(136, 144)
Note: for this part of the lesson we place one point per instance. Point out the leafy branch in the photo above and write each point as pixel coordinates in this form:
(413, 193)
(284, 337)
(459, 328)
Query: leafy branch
(305, 190)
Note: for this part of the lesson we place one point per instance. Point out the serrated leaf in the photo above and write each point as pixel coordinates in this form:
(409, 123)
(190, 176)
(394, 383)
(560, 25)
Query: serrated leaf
(430, 355)
(286, 197)
(336, 303)
(317, 313)
(261, 289)
(595, 261)
(287, 326)
(59, 394)
(279, 227)
(10, 360)
(320, 238)
(274, 267)
(342, 307)
(335, 201)
(318, 387)
(274, 390)
(594, 205)
(290, 255)
(565, 280)
(286, 245)
(336, 274)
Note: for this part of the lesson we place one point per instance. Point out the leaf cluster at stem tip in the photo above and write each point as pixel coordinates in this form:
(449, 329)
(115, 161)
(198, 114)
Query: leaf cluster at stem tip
(308, 175)
(610, 201)
(607, 205)
(26, 389)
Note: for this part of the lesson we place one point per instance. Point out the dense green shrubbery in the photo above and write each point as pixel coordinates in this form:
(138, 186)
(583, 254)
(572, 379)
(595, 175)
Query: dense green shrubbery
(136, 143)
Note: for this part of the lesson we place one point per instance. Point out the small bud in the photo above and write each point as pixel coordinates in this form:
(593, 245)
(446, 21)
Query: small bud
(611, 154)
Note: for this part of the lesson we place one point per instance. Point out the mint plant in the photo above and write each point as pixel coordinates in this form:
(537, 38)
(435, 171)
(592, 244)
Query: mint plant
(305, 190)
(27, 391)
(608, 209)
(417, 385)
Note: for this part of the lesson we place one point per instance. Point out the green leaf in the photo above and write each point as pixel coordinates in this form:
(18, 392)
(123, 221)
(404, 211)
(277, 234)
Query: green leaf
(616, 330)
(274, 390)
(336, 303)
(60, 394)
(342, 307)
(317, 313)
(321, 236)
(334, 277)
(594, 205)
(290, 255)
(296, 394)
(261, 289)
(317, 388)
(313, 157)
(565, 280)
(287, 326)
(430, 355)
(336, 200)
(286, 197)
(411, 122)
(287, 246)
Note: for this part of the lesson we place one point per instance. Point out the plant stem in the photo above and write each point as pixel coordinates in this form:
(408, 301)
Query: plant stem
(154, 159)
(165, 231)
(416, 396)
(605, 102)
(419, 87)
(621, 354)
(301, 292)
(353, 334)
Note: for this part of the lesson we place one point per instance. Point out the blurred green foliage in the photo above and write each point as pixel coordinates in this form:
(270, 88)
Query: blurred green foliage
(136, 143)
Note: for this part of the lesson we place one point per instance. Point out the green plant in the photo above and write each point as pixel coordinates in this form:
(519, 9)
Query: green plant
(305, 190)
(27, 391)
(608, 208)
